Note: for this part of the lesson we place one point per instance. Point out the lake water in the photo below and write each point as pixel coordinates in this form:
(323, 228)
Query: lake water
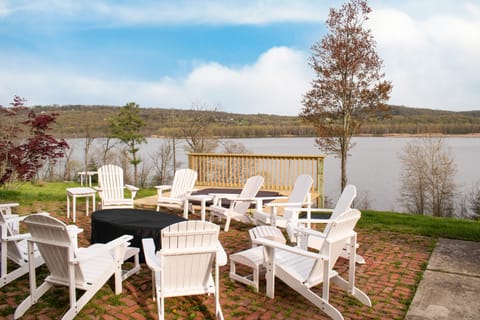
(373, 166)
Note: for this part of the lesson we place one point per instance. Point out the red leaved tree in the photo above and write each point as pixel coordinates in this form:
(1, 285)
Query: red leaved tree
(25, 144)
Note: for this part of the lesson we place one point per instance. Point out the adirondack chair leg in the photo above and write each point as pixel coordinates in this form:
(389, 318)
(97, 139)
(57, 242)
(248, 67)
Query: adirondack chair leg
(321, 303)
(227, 224)
(270, 271)
(154, 295)
(355, 292)
(129, 253)
(3, 263)
(80, 303)
(17, 273)
(31, 300)
(161, 304)
(218, 308)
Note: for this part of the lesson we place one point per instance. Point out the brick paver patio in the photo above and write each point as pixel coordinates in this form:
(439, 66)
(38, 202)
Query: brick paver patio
(394, 266)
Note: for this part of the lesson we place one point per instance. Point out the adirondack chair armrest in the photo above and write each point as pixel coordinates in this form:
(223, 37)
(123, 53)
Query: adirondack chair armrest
(248, 199)
(8, 205)
(17, 237)
(229, 196)
(302, 232)
(98, 189)
(277, 245)
(162, 188)
(73, 229)
(119, 241)
(86, 254)
(313, 221)
(285, 204)
(326, 210)
(257, 200)
(217, 198)
(132, 189)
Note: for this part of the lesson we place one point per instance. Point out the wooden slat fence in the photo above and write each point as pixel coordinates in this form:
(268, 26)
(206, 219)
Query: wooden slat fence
(279, 171)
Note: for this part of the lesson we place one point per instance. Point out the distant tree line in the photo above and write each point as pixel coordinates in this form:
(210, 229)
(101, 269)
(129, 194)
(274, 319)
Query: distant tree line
(402, 120)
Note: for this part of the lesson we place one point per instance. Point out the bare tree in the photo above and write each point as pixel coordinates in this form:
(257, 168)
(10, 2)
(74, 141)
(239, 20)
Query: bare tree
(427, 177)
(144, 174)
(69, 165)
(107, 146)
(234, 147)
(86, 149)
(474, 200)
(239, 168)
(197, 132)
(163, 162)
(349, 88)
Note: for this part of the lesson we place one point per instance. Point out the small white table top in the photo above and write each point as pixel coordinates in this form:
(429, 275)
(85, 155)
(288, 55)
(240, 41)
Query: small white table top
(80, 191)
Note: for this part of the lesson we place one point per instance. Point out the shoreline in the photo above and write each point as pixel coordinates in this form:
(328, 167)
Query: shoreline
(366, 135)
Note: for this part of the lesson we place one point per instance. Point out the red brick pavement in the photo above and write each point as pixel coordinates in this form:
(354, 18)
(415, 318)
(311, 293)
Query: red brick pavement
(394, 265)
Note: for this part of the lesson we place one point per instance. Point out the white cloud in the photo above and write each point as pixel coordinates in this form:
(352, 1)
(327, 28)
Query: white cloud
(186, 11)
(274, 84)
(432, 60)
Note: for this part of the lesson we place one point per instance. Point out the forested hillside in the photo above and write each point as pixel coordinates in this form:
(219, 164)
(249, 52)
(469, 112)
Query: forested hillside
(77, 120)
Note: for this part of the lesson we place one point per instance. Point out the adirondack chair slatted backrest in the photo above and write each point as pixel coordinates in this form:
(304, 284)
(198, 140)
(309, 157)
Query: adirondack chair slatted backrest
(7, 229)
(343, 205)
(250, 190)
(110, 180)
(337, 233)
(188, 252)
(299, 195)
(345, 201)
(57, 244)
(183, 183)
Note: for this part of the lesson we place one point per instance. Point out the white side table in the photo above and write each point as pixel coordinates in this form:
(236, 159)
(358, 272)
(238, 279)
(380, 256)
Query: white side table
(88, 177)
(78, 193)
(203, 198)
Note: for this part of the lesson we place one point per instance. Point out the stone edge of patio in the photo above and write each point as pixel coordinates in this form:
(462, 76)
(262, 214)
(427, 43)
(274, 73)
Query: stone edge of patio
(450, 286)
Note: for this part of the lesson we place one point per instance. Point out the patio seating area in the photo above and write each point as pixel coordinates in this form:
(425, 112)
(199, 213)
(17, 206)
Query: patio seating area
(394, 265)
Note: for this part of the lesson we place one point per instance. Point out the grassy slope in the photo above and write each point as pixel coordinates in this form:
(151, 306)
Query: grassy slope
(421, 225)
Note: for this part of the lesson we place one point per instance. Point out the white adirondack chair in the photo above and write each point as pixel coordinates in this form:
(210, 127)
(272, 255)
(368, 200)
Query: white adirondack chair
(253, 257)
(299, 197)
(239, 204)
(182, 186)
(183, 267)
(13, 246)
(344, 203)
(111, 188)
(86, 269)
(302, 270)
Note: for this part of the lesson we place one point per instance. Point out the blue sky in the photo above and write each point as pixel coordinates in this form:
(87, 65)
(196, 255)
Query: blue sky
(236, 56)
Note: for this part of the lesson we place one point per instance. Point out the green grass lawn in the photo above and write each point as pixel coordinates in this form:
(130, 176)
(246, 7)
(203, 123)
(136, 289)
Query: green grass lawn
(50, 191)
(421, 225)
(451, 228)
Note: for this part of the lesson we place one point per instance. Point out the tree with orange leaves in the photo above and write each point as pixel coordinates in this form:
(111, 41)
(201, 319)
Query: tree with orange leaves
(349, 88)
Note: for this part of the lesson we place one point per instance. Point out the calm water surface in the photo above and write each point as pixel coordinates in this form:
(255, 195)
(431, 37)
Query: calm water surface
(373, 165)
